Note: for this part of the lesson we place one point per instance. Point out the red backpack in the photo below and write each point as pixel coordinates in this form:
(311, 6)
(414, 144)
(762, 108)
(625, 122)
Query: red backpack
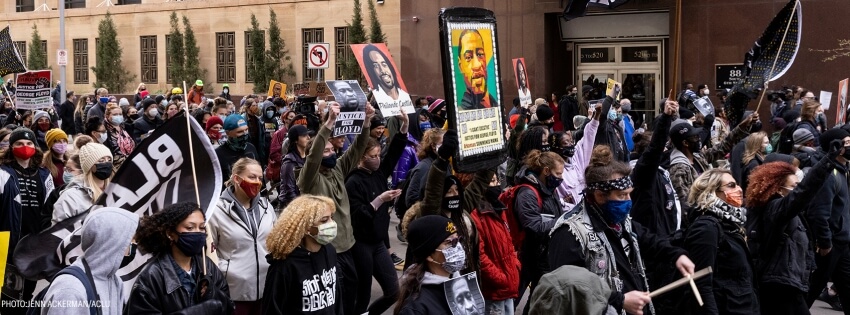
(508, 197)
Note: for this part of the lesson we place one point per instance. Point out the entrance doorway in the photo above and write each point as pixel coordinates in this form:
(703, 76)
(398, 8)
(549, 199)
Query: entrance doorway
(637, 65)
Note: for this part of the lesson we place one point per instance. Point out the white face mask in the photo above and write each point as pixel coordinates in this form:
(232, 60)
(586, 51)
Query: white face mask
(706, 91)
(153, 112)
(102, 138)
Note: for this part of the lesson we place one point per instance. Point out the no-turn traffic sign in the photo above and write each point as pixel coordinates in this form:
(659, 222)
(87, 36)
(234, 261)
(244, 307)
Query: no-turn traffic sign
(62, 57)
(318, 55)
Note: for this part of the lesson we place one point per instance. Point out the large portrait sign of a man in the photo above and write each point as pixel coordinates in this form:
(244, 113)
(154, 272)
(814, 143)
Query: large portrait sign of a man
(472, 83)
(383, 78)
(521, 73)
(352, 106)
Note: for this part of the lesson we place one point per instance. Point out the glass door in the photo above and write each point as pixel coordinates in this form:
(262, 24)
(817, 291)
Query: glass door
(598, 80)
(641, 87)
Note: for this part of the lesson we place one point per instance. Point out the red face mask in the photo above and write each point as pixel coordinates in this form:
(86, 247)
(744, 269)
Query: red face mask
(24, 152)
(214, 135)
(44, 126)
(252, 189)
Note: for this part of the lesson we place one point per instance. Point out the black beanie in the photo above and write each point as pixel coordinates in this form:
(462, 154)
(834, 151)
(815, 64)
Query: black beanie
(376, 122)
(544, 113)
(826, 138)
(452, 180)
(21, 134)
(425, 234)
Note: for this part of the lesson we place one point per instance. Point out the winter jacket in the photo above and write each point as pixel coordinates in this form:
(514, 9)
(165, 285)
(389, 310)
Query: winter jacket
(571, 189)
(257, 131)
(748, 169)
(304, 283)
(66, 113)
(97, 110)
(683, 174)
(142, 126)
(195, 97)
(158, 290)
(431, 299)
(499, 263)
(406, 162)
(227, 157)
(331, 182)
(370, 219)
(234, 237)
(567, 109)
(418, 177)
(107, 235)
(652, 205)
(514, 160)
(275, 155)
(828, 217)
(611, 134)
(536, 221)
(810, 126)
(720, 244)
(76, 198)
(786, 254)
(119, 142)
(12, 218)
(288, 190)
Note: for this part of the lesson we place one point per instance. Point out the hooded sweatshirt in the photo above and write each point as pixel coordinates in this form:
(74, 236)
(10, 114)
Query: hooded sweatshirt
(570, 290)
(303, 283)
(75, 199)
(431, 298)
(106, 236)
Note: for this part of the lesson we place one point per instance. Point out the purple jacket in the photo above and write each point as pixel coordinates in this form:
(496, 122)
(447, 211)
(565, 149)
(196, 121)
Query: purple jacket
(406, 163)
(569, 193)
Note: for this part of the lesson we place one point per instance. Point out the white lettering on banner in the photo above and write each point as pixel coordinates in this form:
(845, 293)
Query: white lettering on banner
(167, 154)
(319, 292)
(352, 116)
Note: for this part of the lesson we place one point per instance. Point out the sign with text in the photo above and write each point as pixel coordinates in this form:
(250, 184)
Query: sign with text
(841, 117)
(318, 55)
(319, 89)
(352, 106)
(610, 86)
(33, 90)
(726, 76)
(522, 85)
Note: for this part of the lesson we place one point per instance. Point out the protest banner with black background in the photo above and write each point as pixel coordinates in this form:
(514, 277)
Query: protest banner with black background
(33, 90)
(383, 77)
(464, 295)
(352, 106)
(472, 86)
(157, 174)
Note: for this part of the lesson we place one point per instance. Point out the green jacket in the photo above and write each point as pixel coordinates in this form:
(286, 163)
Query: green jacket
(331, 183)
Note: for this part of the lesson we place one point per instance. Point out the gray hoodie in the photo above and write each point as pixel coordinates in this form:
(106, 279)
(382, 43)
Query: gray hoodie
(106, 235)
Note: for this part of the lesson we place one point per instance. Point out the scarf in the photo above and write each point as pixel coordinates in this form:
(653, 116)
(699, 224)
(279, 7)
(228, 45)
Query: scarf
(727, 212)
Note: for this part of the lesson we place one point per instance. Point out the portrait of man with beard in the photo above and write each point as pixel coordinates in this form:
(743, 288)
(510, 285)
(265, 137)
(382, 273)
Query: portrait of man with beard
(349, 95)
(472, 62)
(382, 75)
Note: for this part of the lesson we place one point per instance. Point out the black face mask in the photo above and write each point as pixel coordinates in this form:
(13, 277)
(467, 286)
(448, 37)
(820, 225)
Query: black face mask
(191, 243)
(492, 196)
(451, 203)
(550, 125)
(695, 146)
(129, 258)
(846, 152)
(329, 161)
(546, 148)
(568, 151)
(437, 121)
(103, 170)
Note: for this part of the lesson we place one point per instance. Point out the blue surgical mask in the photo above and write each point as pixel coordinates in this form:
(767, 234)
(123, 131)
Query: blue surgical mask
(67, 177)
(768, 149)
(104, 99)
(424, 126)
(612, 115)
(615, 211)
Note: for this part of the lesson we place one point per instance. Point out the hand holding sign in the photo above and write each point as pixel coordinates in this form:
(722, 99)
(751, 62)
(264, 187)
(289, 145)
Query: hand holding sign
(370, 111)
(333, 112)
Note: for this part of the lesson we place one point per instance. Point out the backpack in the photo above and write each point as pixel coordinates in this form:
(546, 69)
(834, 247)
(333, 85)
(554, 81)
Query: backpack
(510, 216)
(786, 137)
(85, 279)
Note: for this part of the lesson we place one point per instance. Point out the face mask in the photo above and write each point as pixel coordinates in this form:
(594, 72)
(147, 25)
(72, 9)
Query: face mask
(117, 120)
(617, 210)
(44, 126)
(60, 148)
(546, 148)
(129, 258)
(134, 116)
(329, 161)
(424, 126)
(492, 196)
(153, 112)
(569, 151)
(438, 121)
(705, 92)
(238, 143)
(455, 258)
(846, 153)
(104, 100)
(252, 189)
(226, 91)
(269, 113)
(164, 103)
(102, 138)
(67, 177)
(24, 152)
(191, 243)
(4, 145)
(800, 174)
(553, 182)
(372, 164)
(768, 149)
(214, 135)
(103, 170)
(451, 203)
(550, 125)
(612, 115)
(326, 234)
(735, 197)
(694, 146)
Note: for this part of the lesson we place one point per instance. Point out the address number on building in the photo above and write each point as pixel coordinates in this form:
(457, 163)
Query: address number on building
(728, 75)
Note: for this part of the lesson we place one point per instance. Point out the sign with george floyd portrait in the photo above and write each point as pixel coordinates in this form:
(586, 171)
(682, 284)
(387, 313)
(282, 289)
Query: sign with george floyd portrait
(384, 78)
(352, 106)
(472, 85)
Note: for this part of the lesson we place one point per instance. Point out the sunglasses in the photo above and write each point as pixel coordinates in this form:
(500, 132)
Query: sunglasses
(452, 242)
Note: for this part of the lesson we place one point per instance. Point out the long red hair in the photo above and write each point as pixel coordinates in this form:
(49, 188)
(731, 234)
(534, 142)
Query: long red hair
(766, 181)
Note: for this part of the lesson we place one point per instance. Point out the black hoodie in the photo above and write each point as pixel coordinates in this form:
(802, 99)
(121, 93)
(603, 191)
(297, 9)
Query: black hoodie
(304, 283)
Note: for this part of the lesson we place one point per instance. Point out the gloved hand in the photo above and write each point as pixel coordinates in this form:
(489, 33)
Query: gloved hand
(835, 149)
(450, 145)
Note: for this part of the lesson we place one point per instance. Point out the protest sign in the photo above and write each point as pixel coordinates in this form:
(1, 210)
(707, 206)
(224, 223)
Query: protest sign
(277, 89)
(33, 90)
(522, 84)
(383, 77)
(841, 118)
(825, 99)
(318, 89)
(610, 86)
(463, 295)
(472, 86)
(352, 106)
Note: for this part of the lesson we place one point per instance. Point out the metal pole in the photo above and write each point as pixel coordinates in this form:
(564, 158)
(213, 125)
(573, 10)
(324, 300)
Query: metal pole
(62, 46)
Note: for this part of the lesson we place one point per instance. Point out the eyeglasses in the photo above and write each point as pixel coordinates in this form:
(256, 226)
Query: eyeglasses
(730, 185)
(453, 241)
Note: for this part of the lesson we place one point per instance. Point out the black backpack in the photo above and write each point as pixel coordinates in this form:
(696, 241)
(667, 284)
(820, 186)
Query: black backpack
(91, 293)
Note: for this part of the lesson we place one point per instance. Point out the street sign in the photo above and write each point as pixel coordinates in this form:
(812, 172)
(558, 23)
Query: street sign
(62, 57)
(726, 76)
(318, 55)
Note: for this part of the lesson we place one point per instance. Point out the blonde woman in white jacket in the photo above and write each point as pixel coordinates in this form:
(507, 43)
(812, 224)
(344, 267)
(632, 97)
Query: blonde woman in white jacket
(239, 225)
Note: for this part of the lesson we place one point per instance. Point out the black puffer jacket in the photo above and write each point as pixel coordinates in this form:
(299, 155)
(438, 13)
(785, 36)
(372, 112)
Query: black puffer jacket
(142, 126)
(535, 220)
(611, 134)
(158, 290)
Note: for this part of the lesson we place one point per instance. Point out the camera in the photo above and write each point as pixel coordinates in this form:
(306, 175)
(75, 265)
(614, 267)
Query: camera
(773, 96)
(305, 105)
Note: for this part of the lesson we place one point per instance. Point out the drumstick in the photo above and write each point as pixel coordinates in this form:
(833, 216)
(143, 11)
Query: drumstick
(696, 291)
(680, 282)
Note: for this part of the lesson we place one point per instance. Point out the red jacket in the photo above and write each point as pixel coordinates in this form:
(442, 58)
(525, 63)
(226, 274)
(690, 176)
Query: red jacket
(499, 263)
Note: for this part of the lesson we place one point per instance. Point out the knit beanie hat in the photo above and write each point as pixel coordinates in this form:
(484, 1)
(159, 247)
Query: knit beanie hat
(123, 102)
(214, 120)
(827, 137)
(425, 234)
(376, 122)
(54, 135)
(21, 134)
(437, 105)
(544, 113)
(90, 153)
(39, 114)
(778, 123)
(802, 135)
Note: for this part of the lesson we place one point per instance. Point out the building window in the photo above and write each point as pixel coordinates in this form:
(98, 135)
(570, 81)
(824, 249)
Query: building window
(24, 5)
(225, 57)
(81, 61)
(44, 49)
(75, 4)
(311, 35)
(249, 56)
(148, 50)
(343, 53)
(120, 2)
(22, 50)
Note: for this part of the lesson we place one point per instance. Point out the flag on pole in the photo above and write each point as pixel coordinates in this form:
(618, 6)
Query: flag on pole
(774, 52)
(10, 59)
(578, 8)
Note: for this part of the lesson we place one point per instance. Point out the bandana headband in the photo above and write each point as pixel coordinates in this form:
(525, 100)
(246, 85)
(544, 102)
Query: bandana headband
(621, 183)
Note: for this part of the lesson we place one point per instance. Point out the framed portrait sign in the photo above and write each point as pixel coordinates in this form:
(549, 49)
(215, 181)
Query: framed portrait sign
(472, 86)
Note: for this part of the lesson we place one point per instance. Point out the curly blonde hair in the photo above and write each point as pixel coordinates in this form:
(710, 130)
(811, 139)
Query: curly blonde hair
(293, 223)
(702, 195)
